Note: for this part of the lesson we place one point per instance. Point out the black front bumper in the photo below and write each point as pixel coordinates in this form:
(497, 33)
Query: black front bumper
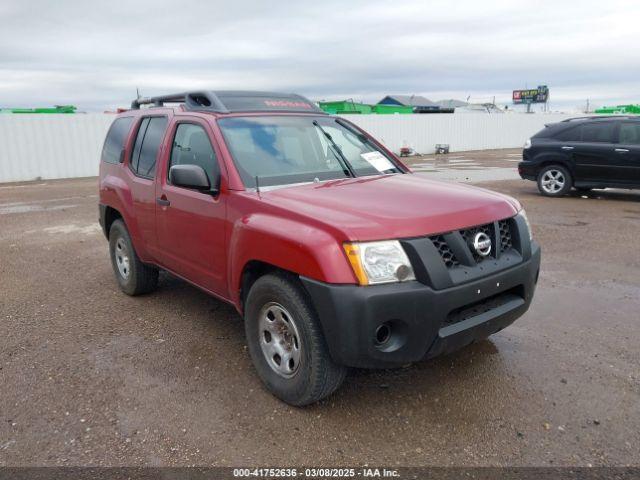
(424, 322)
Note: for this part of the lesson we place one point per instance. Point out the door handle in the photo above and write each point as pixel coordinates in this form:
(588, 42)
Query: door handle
(622, 150)
(567, 148)
(163, 201)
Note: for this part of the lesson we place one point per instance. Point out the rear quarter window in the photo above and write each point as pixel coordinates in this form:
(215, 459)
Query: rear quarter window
(114, 143)
(573, 134)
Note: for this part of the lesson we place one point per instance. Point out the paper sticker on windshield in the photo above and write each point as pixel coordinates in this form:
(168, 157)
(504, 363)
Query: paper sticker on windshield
(378, 161)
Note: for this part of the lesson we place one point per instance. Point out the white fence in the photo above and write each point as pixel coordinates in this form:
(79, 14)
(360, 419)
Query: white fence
(461, 131)
(65, 146)
(51, 146)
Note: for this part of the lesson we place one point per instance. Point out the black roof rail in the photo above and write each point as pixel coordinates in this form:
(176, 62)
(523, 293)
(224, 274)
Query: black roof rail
(599, 117)
(227, 101)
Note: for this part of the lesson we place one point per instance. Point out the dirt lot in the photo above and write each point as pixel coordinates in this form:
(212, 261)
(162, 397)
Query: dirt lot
(90, 376)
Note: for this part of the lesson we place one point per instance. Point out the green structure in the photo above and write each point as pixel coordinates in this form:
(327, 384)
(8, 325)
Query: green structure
(620, 109)
(351, 107)
(55, 109)
(345, 106)
(391, 109)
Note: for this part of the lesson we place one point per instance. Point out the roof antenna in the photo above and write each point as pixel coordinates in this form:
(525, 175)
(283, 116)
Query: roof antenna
(258, 187)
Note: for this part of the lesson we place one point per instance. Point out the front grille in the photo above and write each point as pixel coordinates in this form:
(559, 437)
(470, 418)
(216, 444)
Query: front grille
(505, 242)
(505, 235)
(445, 251)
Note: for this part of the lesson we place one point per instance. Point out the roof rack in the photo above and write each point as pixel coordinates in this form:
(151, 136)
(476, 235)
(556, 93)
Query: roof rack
(204, 99)
(227, 101)
(598, 117)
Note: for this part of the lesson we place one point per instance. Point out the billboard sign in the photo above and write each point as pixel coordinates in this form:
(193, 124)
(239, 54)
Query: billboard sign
(534, 95)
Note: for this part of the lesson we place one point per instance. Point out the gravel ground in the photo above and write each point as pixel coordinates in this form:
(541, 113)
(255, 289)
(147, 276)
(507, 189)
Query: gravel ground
(90, 376)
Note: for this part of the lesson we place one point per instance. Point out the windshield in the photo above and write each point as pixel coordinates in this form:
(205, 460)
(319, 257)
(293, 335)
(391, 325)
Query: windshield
(282, 150)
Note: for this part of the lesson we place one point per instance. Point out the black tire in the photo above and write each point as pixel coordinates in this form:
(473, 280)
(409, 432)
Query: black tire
(316, 376)
(557, 189)
(137, 278)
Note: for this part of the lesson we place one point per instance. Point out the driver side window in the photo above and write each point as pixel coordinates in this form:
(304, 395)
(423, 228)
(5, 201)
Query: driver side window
(191, 146)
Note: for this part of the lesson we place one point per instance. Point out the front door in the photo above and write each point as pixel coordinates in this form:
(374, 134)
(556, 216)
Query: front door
(627, 153)
(594, 154)
(191, 224)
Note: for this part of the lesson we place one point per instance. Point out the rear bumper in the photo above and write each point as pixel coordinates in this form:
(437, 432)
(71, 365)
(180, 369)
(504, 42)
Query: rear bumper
(527, 170)
(423, 322)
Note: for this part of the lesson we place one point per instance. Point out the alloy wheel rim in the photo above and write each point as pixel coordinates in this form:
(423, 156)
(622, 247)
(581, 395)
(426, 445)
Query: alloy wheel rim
(553, 181)
(279, 339)
(122, 258)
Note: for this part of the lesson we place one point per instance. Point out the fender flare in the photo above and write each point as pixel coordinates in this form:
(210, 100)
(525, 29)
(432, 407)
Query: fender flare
(288, 245)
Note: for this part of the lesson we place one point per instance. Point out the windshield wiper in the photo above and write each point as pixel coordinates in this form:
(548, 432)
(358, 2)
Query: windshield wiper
(366, 140)
(362, 137)
(348, 169)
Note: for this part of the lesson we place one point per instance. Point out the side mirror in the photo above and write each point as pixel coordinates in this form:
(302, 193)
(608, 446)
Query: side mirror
(190, 176)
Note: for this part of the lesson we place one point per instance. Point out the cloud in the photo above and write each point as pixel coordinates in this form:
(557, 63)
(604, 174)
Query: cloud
(95, 54)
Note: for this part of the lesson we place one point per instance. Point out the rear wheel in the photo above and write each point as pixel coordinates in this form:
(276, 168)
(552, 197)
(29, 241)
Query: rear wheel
(286, 343)
(554, 181)
(133, 276)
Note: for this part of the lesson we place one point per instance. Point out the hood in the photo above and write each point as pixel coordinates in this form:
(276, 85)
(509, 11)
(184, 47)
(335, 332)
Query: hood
(393, 206)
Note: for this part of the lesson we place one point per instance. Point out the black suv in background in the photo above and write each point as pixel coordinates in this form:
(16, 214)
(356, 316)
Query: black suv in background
(584, 153)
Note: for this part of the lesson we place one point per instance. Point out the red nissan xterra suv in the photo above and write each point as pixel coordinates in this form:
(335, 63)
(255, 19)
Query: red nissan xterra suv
(335, 254)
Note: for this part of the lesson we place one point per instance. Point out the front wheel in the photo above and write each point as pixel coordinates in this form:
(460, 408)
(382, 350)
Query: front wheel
(286, 343)
(554, 181)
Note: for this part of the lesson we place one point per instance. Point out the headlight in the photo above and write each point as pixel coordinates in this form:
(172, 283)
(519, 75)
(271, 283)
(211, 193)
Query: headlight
(527, 144)
(379, 262)
(523, 215)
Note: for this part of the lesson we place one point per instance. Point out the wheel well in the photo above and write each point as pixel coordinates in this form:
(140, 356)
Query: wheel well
(252, 271)
(110, 216)
(547, 163)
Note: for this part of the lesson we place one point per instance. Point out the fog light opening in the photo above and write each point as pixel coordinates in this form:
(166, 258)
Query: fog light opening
(383, 333)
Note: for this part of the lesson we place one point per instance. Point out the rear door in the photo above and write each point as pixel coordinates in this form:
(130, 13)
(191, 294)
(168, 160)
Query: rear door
(627, 152)
(594, 153)
(191, 224)
(142, 165)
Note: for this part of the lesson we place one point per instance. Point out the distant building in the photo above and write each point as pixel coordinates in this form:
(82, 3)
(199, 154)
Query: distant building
(54, 109)
(349, 107)
(419, 103)
(451, 103)
(620, 109)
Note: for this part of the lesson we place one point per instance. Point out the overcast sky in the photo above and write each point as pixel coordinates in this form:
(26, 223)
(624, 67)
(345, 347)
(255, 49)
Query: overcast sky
(94, 54)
